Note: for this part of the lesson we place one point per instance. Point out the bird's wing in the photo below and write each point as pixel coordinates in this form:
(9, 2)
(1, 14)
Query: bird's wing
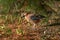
(34, 18)
(37, 17)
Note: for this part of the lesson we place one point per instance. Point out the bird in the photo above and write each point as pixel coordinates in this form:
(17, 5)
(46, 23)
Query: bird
(32, 18)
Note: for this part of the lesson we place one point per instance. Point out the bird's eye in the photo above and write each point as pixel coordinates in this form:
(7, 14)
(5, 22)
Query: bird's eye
(23, 15)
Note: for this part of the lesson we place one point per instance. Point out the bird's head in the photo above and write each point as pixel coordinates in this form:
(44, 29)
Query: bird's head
(26, 13)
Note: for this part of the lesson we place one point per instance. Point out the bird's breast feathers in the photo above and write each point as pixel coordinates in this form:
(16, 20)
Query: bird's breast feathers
(28, 18)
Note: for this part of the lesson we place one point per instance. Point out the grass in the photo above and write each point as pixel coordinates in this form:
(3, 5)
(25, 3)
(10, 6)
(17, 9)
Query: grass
(13, 27)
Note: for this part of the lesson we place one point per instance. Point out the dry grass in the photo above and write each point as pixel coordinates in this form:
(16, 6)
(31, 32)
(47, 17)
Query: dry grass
(14, 28)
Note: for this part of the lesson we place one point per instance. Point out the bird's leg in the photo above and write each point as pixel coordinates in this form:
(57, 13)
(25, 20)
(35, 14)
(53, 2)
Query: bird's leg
(34, 27)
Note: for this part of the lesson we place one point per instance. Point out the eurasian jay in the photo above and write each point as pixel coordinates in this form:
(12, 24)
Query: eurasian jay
(32, 18)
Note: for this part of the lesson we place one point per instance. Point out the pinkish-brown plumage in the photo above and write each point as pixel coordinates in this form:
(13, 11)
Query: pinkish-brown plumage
(32, 18)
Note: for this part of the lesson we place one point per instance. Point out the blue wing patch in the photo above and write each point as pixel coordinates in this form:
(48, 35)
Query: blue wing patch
(37, 17)
(34, 18)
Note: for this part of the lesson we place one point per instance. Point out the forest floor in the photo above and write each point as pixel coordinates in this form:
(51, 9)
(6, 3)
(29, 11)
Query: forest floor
(12, 29)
